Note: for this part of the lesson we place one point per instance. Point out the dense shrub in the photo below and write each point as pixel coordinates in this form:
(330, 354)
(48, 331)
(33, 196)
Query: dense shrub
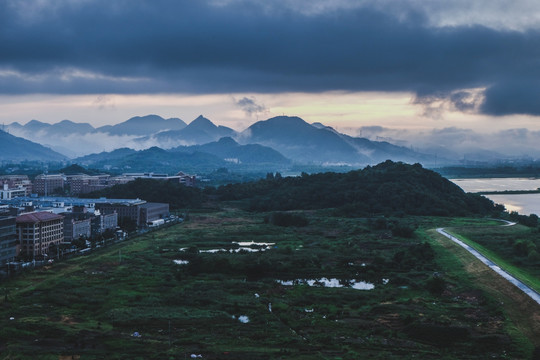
(403, 230)
(286, 219)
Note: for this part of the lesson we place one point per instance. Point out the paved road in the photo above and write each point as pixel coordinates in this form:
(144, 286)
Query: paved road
(527, 290)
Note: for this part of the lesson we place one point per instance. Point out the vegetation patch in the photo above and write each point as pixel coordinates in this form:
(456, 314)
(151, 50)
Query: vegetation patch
(142, 305)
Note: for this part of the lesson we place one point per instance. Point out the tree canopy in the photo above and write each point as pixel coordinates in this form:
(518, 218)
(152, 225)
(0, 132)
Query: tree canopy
(388, 188)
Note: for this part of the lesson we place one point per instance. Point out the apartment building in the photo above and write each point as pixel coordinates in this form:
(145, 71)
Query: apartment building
(76, 227)
(38, 232)
(46, 184)
(8, 238)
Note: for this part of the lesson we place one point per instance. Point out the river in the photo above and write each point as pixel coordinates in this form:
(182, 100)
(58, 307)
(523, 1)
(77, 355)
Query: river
(525, 204)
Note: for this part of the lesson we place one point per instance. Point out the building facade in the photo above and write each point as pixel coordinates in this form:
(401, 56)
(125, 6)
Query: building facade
(8, 238)
(153, 211)
(38, 232)
(46, 184)
(187, 180)
(103, 222)
(82, 183)
(125, 210)
(8, 193)
(75, 228)
(14, 181)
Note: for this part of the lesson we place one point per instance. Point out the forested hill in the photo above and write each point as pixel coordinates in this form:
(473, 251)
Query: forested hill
(388, 188)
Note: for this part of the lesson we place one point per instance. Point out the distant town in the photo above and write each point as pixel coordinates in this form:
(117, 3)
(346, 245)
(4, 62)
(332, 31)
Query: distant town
(48, 217)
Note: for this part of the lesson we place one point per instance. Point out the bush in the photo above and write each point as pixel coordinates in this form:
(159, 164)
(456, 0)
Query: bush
(436, 285)
(286, 219)
(404, 231)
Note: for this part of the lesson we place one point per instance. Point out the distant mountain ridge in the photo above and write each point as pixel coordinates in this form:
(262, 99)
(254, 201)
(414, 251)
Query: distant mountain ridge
(153, 159)
(143, 125)
(222, 153)
(317, 143)
(289, 137)
(105, 156)
(138, 126)
(199, 131)
(229, 150)
(13, 148)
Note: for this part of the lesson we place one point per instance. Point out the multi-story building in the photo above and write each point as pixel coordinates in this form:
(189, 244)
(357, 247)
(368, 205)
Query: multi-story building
(16, 183)
(82, 183)
(38, 232)
(46, 184)
(9, 193)
(76, 227)
(119, 180)
(187, 180)
(126, 210)
(15, 180)
(8, 238)
(153, 211)
(103, 222)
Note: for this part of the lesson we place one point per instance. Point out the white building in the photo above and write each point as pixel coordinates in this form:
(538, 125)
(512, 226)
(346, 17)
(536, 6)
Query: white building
(7, 194)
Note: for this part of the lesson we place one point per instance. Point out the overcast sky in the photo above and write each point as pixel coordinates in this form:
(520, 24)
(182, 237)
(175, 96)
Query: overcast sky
(401, 64)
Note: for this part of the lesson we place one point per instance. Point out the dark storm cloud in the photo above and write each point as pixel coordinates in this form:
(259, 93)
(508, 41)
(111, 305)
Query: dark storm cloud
(515, 96)
(193, 46)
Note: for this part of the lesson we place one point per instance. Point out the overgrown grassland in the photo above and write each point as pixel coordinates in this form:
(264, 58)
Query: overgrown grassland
(229, 305)
(521, 313)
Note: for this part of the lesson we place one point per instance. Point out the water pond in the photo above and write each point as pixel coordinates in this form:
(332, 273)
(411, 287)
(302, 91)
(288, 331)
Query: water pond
(325, 282)
(246, 246)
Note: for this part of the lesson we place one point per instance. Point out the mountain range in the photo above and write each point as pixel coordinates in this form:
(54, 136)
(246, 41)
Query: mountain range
(137, 126)
(199, 131)
(222, 153)
(143, 125)
(13, 148)
(279, 140)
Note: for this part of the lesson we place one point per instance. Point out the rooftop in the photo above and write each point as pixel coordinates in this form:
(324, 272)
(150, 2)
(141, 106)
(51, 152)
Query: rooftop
(38, 217)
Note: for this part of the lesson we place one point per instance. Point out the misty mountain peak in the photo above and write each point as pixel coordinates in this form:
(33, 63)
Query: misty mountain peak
(66, 127)
(202, 123)
(17, 148)
(280, 124)
(145, 118)
(15, 125)
(36, 124)
(144, 125)
(227, 141)
(287, 119)
(65, 122)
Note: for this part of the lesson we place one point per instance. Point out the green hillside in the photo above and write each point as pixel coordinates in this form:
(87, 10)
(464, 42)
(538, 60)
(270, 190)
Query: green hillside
(388, 188)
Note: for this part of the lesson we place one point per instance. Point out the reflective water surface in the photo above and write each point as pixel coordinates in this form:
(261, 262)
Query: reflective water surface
(358, 285)
(525, 204)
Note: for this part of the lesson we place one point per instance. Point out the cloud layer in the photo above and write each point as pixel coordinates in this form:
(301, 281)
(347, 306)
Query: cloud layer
(185, 46)
(456, 143)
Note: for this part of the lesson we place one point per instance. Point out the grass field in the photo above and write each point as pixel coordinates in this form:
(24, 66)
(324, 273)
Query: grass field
(522, 314)
(229, 305)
